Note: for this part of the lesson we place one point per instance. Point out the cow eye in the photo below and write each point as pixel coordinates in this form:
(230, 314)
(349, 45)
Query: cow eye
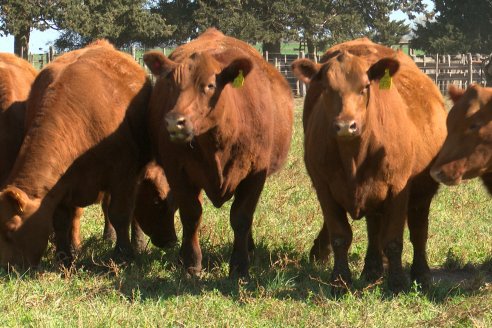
(365, 89)
(474, 126)
(209, 88)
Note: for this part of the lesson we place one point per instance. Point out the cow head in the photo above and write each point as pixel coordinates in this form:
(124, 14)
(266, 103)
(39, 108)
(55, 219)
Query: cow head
(192, 89)
(23, 237)
(467, 150)
(346, 81)
(154, 208)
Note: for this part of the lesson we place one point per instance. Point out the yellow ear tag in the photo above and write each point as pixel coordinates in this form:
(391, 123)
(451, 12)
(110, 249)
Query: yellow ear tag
(386, 80)
(239, 80)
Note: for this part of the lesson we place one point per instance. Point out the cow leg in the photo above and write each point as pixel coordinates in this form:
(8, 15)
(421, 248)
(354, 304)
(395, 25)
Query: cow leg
(75, 239)
(190, 211)
(119, 216)
(373, 264)
(109, 234)
(339, 234)
(321, 248)
(422, 192)
(487, 181)
(245, 200)
(393, 225)
(137, 237)
(65, 225)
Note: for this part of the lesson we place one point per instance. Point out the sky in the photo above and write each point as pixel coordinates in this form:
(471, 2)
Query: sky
(39, 41)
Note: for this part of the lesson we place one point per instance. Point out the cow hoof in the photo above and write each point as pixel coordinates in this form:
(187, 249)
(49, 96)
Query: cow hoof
(398, 283)
(342, 280)
(109, 236)
(339, 285)
(422, 275)
(194, 272)
(371, 275)
(319, 254)
(139, 245)
(424, 280)
(122, 255)
(66, 260)
(237, 273)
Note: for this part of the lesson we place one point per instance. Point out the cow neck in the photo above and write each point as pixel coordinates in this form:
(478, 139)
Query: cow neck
(218, 142)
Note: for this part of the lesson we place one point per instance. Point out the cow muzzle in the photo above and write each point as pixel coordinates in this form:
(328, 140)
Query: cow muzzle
(448, 178)
(179, 128)
(348, 128)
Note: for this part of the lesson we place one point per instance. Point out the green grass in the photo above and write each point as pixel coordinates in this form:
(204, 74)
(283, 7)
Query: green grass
(285, 288)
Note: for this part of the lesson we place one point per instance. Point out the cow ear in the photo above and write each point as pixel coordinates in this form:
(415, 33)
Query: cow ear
(305, 69)
(16, 197)
(378, 70)
(239, 66)
(455, 93)
(157, 63)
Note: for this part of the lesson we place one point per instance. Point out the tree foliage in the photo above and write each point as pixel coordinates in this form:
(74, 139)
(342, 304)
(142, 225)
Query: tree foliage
(316, 24)
(19, 17)
(122, 22)
(459, 26)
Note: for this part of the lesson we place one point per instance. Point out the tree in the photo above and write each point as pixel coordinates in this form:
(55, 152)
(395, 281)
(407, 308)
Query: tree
(254, 21)
(180, 14)
(316, 23)
(122, 22)
(459, 26)
(19, 17)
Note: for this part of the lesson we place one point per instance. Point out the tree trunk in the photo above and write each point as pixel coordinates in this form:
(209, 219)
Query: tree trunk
(272, 47)
(310, 46)
(21, 43)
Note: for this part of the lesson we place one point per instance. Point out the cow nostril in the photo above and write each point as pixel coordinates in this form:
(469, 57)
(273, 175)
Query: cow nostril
(337, 127)
(353, 126)
(181, 122)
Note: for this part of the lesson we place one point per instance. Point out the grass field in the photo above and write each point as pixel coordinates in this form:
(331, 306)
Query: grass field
(285, 288)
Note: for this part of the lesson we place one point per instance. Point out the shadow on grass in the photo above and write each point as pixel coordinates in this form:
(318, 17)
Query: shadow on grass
(281, 273)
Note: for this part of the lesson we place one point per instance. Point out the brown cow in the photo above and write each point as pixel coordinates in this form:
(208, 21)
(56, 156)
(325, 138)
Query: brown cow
(16, 77)
(87, 135)
(221, 118)
(367, 151)
(467, 150)
(153, 212)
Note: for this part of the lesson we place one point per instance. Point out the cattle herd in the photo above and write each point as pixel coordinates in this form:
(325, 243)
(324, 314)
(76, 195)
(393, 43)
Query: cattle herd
(91, 128)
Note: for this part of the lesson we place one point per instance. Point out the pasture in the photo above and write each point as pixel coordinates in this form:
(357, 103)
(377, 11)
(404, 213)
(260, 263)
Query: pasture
(285, 289)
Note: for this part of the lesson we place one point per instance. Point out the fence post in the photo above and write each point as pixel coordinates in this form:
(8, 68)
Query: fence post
(134, 52)
(276, 62)
(437, 67)
(470, 69)
(51, 53)
(266, 56)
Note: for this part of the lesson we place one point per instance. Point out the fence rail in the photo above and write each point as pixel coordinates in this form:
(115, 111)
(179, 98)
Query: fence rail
(461, 70)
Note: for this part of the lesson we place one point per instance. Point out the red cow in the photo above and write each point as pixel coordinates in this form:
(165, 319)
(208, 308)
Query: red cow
(221, 119)
(16, 77)
(467, 150)
(87, 133)
(373, 123)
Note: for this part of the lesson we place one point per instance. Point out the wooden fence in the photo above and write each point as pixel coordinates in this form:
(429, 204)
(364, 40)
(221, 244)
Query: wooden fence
(461, 70)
